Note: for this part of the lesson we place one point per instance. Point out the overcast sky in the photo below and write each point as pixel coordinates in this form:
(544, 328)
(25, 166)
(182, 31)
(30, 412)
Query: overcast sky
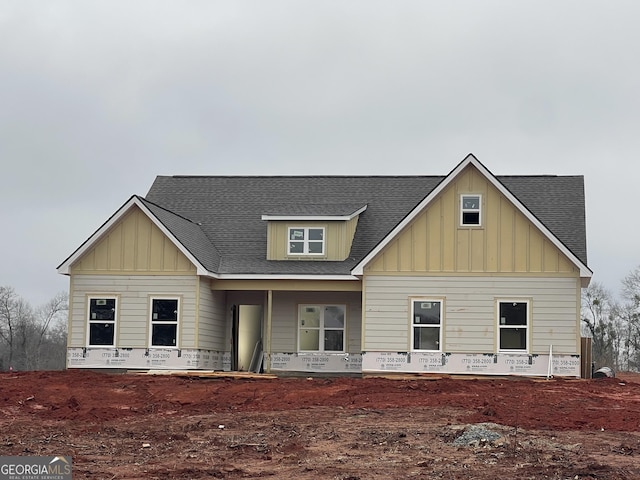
(99, 97)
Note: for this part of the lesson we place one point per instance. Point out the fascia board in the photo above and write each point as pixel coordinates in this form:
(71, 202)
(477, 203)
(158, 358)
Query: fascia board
(64, 267)
(585, 272)
(305, 218)
(249, 276)
(302, 218)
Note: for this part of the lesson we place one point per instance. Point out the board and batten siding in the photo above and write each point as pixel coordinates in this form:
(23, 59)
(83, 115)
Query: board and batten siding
(505, 242)
(470, 317)
(134, 293)
(284, 327)
(134, 244)
(212, 320)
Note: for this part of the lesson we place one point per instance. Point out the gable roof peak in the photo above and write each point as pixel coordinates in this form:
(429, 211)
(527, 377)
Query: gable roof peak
(185, 234)
(470, 159)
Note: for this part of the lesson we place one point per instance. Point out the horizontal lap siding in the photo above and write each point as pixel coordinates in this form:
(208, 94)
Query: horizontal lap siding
(134, 292)
(77, 321)
(470, 319)
(212, 325)
(284, 325)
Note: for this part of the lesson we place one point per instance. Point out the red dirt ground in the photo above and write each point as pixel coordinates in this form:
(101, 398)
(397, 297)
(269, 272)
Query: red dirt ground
(125, 426)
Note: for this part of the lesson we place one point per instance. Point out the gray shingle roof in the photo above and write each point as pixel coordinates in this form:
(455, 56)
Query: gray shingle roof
(188, 234)
(225, 212)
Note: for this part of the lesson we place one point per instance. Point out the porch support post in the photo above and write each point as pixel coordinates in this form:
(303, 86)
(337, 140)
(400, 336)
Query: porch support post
(268, 336)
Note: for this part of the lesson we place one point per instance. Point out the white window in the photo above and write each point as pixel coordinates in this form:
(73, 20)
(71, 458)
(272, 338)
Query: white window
(164, 322)
(513, 322)
(102, 322)
(321, 328)
(426, 323)
(306, 241)
(470, 211)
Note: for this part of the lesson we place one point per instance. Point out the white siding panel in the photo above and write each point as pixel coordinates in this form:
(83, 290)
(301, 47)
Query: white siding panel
(470, 311)
(134, 292)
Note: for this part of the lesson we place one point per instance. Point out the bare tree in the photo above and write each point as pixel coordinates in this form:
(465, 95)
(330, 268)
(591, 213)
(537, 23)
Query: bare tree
(631, 288)
(14, 312)
(32, 337)
(629, 312)
(602, 325)
(51, 314)
(628, 344)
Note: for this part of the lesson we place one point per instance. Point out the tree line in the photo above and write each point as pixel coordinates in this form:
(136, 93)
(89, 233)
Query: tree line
(32, 338)
(613, 324)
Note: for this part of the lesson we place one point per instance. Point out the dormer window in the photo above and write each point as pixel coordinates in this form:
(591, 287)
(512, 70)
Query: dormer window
(315, 232)
(470, 210)
(306, 241)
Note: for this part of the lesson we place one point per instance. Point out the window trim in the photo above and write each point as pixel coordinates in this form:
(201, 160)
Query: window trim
(177, 322)
(527, 326)
(412, 325)
(305, 242)
(470, 210)
(114, 321)
(321, 328)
